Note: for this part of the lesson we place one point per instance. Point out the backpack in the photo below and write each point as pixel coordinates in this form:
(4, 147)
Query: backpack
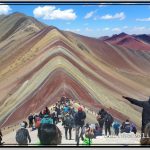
(69, 121)
(47, 120)
(109, 119)
(21, 137)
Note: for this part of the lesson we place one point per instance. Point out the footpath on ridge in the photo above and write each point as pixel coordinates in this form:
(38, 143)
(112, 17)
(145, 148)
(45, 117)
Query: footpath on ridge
(124, 139)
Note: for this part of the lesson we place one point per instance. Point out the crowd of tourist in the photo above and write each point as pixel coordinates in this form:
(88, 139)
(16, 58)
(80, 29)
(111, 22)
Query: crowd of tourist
(71, 118)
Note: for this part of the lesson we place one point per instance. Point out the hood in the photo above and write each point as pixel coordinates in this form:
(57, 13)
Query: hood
(46, 116)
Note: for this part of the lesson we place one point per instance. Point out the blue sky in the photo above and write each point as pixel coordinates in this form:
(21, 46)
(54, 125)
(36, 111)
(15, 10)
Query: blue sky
(90, 20)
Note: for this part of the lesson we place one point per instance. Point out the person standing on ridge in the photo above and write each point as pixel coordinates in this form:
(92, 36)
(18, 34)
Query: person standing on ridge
(79, 119)
(146, 110)
(101, 118)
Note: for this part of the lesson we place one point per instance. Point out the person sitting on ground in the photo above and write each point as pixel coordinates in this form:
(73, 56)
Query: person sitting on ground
(133, 128)
(22, 135)
(97, 131)
(116, 126)
(68, 123)
(49, 134)
(89, 134)
(127, 128)
(145, 113)
(122, 128)
(145, 139)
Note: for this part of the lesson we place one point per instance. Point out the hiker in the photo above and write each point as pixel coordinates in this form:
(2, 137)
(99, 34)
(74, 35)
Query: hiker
(101, 118)
(35, 117)
(122, 128)
(133, 128)
(62, 100)
(89, 134)
(116, 127)
(146, 110)
(26, 124)
(97, 131)
(127, 126)
(41, 115)
(68, 123)
(79, 119)
(72, 111)
(66, 109)
(145, 140)
(46, 119)
(37, 122)
(47, 111)
(30, 118)
(49, 134)
(108, 123)
(58, 113)
(1, 143)
(22, 135)
(53, 116)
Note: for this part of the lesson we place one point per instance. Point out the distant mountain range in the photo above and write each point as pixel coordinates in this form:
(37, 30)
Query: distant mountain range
(40, 63)
(137, 42)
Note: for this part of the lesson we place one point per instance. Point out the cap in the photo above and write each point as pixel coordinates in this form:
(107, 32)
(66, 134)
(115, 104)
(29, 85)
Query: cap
(22, 125)
(80, 109)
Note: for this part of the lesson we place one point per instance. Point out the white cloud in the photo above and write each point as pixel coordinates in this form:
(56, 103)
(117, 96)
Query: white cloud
(106, 29)
(73, 30)
(125, 27)
(89, 14)
(4, 9)
(143, 19)
(139, 28)
(116, 29)
(52, 13)
(119, 16)
(88, 29)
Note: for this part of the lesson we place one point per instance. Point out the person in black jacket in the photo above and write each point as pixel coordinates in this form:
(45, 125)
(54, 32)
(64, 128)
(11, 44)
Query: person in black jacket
(79, 119)
(1, 143)
(108, 123)
(22, 135)
(146, 110)
(102, 113)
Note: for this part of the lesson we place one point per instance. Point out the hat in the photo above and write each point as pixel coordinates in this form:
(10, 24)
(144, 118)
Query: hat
(22, 125)
(80, 109)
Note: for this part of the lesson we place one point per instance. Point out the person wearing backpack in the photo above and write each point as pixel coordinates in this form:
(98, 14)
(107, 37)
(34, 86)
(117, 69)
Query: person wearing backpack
(68, 125)
(46, 119)
(79, 119)
(22, 135)
(127, 127)
(108, 123)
